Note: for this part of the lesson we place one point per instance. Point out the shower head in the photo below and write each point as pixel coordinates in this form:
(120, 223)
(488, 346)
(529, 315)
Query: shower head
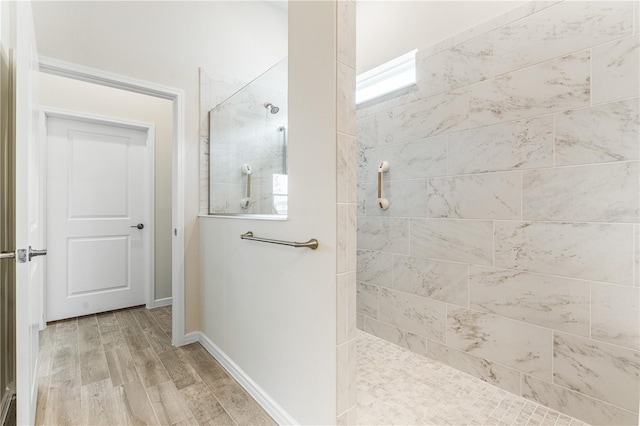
(271, 107)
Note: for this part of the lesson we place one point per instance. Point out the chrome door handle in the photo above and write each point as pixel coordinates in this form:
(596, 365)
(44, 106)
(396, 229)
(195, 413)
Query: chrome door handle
(139, 226)
(34, 253)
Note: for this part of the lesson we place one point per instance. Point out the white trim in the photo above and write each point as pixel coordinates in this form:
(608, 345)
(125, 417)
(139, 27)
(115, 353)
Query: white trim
(272, 408)
(165, 301)
(150, 130)
(192, 337)
(389, 77)
(96, 76)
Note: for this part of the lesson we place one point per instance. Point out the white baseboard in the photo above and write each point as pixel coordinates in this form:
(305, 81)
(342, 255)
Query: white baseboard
(167, 301)
(192, 337)
(262, 398)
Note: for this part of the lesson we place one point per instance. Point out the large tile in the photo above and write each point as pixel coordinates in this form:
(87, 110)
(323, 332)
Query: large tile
(346, 33)
(352, 237)
(121, 367)
(64, 403)
(603, 133)
(576, 404)
(89, 338)
(151, 370)
(375, 267)
(436, 115)
(553, 302)
(99, 406)
(383, 234)
(564, 28)
(525, 144)
(367, 164)
(636, 255)
(616, 66)
(180, 370)
(367, 300)
(597, 193)
(483, 196)
(208, 369)
(415, 160)
(341, 308)
(413, 342)
(168, 404)
(352, 295)
(451, 239)
(204, 406)
(342, 377)
(134, 405)
(418, 315)
(241, 407)
(463, 64)
(346, 99)
(552, 86)
(598, 252)
(93, 366)
(346, 241)
(346, 168)
(606, 372)
(375, 129)
(496, 374)
(435, 279)
(407, 198)
(514, 344)
(158, 339)
(615, 314)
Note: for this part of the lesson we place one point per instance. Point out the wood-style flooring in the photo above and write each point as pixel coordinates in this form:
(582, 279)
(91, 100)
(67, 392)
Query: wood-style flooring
(119, 368)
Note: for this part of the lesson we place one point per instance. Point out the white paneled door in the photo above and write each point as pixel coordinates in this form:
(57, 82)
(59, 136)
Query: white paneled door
(29, 226)
(99, 215)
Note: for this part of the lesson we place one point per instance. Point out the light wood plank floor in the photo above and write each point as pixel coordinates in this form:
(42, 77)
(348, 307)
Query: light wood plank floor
(119, 368)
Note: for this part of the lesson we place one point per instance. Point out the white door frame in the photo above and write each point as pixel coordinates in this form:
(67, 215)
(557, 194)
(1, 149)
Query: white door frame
(150, 130)
(96, 76)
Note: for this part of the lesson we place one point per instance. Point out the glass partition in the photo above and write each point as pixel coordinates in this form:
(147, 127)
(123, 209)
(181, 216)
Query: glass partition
(248, 148)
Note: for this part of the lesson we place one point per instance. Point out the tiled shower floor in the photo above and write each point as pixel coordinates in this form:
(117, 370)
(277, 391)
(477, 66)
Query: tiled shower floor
(398, 387)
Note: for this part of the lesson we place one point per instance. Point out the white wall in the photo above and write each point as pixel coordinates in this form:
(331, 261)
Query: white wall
(388, 29)
(165, 43)
(272, 308)
(74, 95)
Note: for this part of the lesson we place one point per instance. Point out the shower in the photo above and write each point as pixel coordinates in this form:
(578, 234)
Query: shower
(271, 107)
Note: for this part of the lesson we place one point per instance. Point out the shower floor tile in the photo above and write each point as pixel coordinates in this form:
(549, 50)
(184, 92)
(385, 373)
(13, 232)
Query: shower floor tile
(398, 387)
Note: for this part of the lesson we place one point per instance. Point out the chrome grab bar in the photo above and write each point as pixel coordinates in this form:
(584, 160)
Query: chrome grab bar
(244, 202)
(382, 168)
(312, 243)
(8, 255)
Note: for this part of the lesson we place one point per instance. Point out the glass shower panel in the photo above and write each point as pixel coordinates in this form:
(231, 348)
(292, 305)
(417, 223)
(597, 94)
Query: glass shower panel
(248, 148)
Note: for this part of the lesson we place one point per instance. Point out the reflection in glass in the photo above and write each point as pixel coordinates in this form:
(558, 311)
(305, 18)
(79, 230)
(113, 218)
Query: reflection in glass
(248, 148)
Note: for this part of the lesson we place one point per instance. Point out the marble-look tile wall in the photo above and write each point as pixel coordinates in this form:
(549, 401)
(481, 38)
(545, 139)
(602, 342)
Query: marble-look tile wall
(510, 249)
(346, 197)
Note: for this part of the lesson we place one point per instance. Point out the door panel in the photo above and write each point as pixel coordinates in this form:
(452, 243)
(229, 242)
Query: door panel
(28, 208)
(98, 189)
(98, 265)
(7, 235)
(99, 178)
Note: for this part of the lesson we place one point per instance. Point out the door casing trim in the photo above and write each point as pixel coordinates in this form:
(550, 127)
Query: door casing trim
(177, 97)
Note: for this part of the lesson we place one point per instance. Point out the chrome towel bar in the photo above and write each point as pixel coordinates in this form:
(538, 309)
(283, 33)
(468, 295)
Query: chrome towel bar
(312, 243)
